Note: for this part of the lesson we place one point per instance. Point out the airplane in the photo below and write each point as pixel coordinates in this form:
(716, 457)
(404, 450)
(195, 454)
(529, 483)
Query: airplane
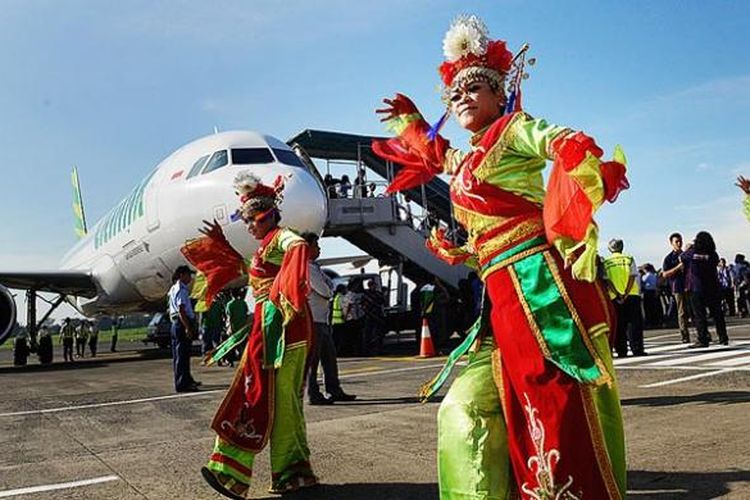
(125, 262)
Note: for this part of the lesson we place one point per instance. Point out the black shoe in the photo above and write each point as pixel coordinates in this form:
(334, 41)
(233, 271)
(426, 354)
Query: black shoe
(320, 400)
(622, 355)
(698, 345)
(642, 353)
(196, 383)
(190, 388)
(342, 396)
(724, 342)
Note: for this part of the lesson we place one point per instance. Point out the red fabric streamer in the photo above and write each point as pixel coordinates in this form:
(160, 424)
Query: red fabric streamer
(217, 260)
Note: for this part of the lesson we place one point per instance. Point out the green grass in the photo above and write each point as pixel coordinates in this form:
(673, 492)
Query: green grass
(126, 335)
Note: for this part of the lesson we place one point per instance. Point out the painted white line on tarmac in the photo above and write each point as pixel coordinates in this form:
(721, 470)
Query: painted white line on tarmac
(685, 379)
(110, 403)
(640, 359)
(58, 486)
(195, 394)
(696, 358)
(675, 334)
(742, 360)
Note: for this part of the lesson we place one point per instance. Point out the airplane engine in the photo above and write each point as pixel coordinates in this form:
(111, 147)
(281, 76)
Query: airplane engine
(7, 314)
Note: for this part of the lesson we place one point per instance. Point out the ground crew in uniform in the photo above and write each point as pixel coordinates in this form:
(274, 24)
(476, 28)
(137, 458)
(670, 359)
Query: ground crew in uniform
(237, 313)
(116, 324)
(67, 333)
(624, 291)
(81, 337)
(183, 329)
(93, 337)
(337, 316)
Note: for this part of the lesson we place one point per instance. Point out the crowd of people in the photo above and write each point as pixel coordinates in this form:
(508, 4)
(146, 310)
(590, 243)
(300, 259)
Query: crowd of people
(692, 285)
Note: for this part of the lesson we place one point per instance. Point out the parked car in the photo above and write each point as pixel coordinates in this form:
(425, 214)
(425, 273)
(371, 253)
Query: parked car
(158, 331)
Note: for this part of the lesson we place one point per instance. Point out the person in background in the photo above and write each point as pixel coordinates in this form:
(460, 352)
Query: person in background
(67, 333)
(477, 289)
(741, 277)
(93, 331)
(351, 305)
(330, 184)
(624, 291)
(183, 329)
(116, 325)
(344, 186)
(237, 313)
(651, 303)
(700, 262)
(673, 271)
(211, 325)
(81, 337)
(337, 316)
(323, 351)
(373, 304)
(727, 286)
(360, 185)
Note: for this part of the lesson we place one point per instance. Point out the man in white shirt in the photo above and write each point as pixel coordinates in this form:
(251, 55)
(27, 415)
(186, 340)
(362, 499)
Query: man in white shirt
(324, 350)
(183, 329)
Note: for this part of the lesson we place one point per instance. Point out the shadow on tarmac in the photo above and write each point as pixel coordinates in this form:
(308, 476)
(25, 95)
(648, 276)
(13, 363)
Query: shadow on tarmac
(88, 362)
(365, 491)
(683, 485)
(722, 398)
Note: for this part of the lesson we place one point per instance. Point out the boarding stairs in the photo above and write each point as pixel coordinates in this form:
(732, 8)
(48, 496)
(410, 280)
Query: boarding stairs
(380, 225)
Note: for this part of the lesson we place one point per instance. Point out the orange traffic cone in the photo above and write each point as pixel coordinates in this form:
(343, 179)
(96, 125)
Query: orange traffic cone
(426, 348)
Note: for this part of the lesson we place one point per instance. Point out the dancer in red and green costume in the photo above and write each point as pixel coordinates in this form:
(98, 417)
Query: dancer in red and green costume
(535, 413)
(744, 184)
(264, 401)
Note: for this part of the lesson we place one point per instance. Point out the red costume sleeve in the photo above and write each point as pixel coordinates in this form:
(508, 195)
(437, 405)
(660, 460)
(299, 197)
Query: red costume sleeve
(217, 260)
(420, 158)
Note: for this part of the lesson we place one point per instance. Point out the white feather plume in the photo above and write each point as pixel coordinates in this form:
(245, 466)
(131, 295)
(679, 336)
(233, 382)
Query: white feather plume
(245, 182)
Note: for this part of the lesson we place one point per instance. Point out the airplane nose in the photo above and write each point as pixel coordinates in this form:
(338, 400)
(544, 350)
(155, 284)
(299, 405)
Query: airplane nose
(304, 207)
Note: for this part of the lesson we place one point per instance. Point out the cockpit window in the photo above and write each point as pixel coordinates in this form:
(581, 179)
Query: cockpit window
(288, 157)
(218, 160)
(251, 156)
(197, 166)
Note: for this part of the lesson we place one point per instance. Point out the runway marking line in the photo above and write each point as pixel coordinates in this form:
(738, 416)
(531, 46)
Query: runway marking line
(685, 379)
(57, 486)
(193, 394)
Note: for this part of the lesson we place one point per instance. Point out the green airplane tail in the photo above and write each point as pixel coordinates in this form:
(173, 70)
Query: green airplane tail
(78, 213)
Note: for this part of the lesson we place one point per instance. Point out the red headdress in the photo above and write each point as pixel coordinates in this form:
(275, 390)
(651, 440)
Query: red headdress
(257, 199)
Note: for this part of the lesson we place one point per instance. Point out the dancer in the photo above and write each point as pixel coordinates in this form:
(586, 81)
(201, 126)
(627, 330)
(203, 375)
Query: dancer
(264, 401)
(744, 184)
(535, 412)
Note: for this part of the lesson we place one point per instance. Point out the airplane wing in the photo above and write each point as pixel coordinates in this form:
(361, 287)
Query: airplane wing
(78, 283)
(354, 260)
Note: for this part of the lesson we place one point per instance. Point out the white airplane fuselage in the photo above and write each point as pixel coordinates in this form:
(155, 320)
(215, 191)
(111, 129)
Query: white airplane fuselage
(133, 250)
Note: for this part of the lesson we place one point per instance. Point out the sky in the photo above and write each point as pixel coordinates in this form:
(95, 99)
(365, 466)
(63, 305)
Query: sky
(114, 87)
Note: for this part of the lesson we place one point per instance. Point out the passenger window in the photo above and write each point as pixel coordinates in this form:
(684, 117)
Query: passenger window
(288, 158)
(218, 160)
(197, 166)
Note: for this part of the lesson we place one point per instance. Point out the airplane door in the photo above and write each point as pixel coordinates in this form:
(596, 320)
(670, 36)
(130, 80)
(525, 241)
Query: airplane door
(152, 208)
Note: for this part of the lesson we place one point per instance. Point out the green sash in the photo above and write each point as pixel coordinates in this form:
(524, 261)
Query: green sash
(273, 335)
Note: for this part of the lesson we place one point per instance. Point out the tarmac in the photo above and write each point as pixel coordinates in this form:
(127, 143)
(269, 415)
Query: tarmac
(112, 427)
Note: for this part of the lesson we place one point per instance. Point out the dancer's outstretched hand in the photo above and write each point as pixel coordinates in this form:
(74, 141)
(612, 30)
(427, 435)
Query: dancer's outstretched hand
(744, 184)
(399, 105)
(212, 230)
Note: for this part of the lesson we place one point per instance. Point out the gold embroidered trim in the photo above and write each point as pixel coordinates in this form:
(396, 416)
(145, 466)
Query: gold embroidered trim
(529, 317)
(493, 156)
(605, 377)
(497, 377)
(521, 231)
(512, 260)
(597, 441)
(552, 143)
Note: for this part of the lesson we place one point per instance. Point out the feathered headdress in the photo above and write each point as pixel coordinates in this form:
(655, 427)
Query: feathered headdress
(257, 199)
